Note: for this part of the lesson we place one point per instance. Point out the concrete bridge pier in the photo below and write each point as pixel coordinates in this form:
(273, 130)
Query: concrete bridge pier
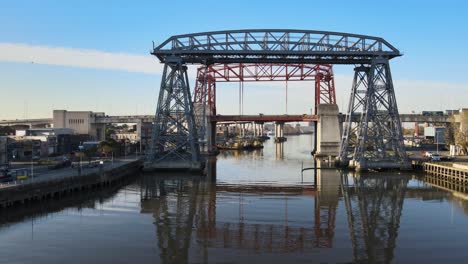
(279, 150)
(258, 129)
(328, 131)
(211, 138)
(279, 132)
(242, 130)
(98, 132)
(254, 128)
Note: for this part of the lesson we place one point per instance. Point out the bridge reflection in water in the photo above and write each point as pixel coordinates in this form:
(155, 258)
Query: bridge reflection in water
(186, 220)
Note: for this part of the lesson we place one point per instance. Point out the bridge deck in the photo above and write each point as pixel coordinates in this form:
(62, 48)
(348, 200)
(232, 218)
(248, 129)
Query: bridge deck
(264, 118)
(230, 118)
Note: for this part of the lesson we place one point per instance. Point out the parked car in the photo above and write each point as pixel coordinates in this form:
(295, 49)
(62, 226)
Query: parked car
(5, 173)
(435, 157)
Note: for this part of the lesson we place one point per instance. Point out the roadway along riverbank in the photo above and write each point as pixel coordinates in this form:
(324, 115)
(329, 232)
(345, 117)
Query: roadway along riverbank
(53, 184)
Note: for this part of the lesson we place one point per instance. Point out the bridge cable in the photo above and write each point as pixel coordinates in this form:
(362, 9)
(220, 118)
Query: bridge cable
(240, 99)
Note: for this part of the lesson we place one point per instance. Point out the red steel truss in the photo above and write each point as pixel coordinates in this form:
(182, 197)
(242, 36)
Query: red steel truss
(207, 76)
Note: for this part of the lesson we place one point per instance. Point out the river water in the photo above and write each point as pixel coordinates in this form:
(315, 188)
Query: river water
(252, 207)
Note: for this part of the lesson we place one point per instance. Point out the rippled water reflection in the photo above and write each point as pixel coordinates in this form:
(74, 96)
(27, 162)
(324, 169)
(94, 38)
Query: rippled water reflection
(253, 207)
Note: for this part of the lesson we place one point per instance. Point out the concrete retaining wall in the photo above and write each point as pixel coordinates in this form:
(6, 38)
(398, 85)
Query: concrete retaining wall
(55, 188)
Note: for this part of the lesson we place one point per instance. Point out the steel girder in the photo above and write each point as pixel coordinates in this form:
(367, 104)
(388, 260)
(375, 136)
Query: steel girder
(275, 46)
(174, 133)
(208, 76)
(378, 134)
(258, 72)
(324, 89)
(205, 89)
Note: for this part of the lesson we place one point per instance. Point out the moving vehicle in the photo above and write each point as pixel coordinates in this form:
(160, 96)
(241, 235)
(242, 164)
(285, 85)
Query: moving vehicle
(427, 154)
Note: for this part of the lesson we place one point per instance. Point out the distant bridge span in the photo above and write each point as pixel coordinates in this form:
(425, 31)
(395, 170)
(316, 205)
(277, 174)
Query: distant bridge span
(227, 118)
(410, 118)
(264, 118)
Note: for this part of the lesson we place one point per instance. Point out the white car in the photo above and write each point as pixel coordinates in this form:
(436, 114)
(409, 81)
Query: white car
(427, 154)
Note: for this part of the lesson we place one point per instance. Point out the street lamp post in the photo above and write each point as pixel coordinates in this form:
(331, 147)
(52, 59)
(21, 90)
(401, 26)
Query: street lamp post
(32, 166)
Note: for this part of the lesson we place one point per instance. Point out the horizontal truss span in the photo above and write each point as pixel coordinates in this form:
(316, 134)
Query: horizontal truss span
(264, 118)
(274, 46)
(252, 72)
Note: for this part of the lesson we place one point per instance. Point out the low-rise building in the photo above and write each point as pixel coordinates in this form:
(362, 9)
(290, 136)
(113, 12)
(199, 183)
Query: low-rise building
(81, 122)
(53, 140)
(436, 134)
(26, 149)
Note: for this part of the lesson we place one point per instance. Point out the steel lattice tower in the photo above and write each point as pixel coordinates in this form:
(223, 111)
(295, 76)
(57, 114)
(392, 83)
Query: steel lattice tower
(174, 134)
(204, 102)
(376, 140)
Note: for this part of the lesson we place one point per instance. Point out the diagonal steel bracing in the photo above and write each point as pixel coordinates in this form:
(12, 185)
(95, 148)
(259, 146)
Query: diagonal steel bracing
(174, 133)
(377, 137)
(355, 106)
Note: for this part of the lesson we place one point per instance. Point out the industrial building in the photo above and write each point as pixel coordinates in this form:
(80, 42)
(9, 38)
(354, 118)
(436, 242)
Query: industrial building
(82, 122)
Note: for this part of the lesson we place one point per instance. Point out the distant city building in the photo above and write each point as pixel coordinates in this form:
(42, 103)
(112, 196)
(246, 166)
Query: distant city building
(26, 149)
(462, 119)
(44, 142)
(435, 133)
(432, 113)
(451, 112)
(82, 122)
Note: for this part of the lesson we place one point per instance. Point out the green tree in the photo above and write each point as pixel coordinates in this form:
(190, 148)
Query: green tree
(109, 131)
(109, 146)
(408, 131)
(106, 149)
(461, 139)
(90, 152)
(450, 132)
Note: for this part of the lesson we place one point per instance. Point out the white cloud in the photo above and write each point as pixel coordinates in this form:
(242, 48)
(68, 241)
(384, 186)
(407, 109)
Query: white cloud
(23, 53)
(267, 97)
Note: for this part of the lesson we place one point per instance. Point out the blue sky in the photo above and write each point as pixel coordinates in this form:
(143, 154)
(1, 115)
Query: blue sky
(433, 36)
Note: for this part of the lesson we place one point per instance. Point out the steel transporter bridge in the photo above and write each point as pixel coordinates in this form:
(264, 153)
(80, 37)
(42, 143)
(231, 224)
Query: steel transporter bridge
(375, 141)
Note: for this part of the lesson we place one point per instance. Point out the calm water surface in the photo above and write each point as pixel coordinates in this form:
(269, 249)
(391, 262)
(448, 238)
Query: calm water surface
(253, 207)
